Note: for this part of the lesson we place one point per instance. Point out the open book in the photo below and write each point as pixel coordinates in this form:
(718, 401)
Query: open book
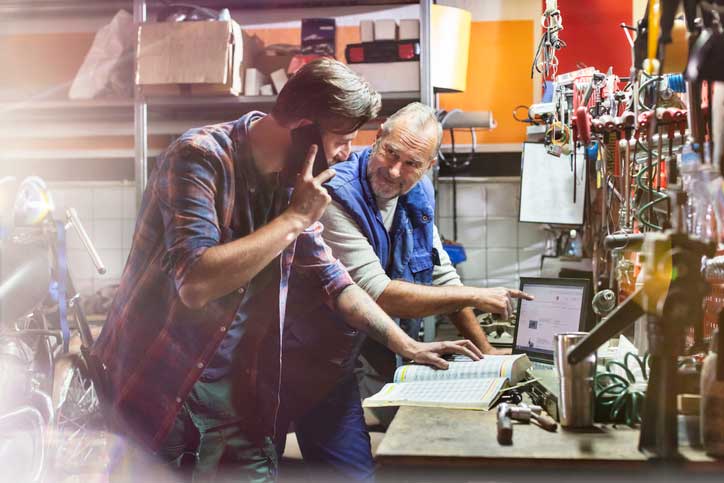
(465, 385)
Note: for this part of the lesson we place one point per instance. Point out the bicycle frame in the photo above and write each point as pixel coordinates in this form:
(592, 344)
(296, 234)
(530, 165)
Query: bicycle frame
(52, 372)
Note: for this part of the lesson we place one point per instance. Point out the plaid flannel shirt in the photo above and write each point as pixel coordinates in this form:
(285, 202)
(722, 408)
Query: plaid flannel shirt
(154, 348)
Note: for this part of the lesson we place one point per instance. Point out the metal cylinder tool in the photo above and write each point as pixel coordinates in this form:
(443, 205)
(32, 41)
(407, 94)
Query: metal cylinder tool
(523, 413)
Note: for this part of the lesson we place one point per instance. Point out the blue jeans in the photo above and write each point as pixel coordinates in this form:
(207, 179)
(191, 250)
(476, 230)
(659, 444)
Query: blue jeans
(333, 437)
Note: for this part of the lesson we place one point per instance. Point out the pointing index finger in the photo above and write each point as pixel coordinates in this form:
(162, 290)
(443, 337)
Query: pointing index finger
(520, 294)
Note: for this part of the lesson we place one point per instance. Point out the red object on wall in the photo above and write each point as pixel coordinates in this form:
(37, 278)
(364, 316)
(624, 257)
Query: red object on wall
(356, 54)
(406, 51)
(593, 36)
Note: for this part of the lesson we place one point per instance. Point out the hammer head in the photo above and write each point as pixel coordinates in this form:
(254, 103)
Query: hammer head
(521, 413)
(505, 426)
(503, 408)
(524, 412)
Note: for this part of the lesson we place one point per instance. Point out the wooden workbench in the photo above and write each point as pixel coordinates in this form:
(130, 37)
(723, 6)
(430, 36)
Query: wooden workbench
(436, 440)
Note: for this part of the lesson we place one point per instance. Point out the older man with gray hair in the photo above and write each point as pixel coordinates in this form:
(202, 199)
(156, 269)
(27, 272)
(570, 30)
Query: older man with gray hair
(380, 225)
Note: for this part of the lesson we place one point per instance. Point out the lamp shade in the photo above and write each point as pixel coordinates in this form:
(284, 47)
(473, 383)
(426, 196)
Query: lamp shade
(450, 42)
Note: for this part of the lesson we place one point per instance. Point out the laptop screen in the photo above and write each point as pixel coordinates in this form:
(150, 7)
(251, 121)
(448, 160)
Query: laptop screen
(559, 306)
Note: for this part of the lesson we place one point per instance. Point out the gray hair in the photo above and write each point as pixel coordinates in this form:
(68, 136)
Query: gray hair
(419, 116)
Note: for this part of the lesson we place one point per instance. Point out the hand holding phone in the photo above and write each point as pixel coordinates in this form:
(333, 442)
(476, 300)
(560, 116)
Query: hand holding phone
(310, 198)
(302, 139)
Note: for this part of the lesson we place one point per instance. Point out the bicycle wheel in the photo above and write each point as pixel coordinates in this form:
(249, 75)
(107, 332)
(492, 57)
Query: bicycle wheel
(80, 439)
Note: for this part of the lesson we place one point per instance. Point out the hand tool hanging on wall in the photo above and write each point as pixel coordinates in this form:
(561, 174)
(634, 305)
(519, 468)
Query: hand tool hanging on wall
(706, 62)
(545, 61)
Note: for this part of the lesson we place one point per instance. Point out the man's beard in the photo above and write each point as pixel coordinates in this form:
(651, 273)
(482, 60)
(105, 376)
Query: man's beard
(384, 189)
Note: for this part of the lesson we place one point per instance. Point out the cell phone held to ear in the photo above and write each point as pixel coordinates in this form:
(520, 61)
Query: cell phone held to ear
(302, 139)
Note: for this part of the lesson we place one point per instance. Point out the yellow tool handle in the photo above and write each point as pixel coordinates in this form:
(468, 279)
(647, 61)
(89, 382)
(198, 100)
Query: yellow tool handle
(653, 34)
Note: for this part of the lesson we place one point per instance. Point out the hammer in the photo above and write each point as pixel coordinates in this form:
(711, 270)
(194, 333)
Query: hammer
(523, 413)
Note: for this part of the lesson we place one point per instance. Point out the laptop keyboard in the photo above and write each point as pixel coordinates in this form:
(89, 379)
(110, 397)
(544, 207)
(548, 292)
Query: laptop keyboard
(541, 366)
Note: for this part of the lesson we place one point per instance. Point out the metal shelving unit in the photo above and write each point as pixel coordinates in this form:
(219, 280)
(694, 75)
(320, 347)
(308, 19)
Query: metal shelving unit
(55, 117)
(102, 7)
(142, 104)
(52, 120)
(44, 154)
(248, 100)
(61, 7)
(140, 119)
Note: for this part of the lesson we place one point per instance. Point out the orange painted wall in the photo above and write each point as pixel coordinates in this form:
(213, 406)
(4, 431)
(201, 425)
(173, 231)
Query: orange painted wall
(498, 78)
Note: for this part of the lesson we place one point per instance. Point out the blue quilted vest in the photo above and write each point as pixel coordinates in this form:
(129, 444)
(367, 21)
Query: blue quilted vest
(406, 252)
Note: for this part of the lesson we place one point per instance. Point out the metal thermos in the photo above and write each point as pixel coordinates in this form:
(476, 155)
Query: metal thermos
(576, 398)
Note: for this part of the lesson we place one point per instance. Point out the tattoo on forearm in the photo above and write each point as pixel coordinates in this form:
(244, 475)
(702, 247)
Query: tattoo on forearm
(378, 330)
(375, 320)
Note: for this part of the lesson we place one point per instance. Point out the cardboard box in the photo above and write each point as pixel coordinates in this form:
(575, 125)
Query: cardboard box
(279, 79)
(201, 58)
(409, 29)
(391, 76)
(367, 31)
(385, 29)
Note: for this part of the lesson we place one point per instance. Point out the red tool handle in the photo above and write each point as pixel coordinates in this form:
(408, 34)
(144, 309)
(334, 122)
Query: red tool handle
(667, 115)
(671, 131)
(583, 124)
(628, 119)
(626, 122)
(644, 118)
(663, 175)
(596, 126)
(608, 123)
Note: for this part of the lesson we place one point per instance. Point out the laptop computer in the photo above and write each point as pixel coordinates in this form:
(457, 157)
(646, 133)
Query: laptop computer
(560, 305)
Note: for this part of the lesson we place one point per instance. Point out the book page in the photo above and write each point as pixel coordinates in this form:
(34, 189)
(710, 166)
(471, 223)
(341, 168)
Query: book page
(478, 394)
(512, 367)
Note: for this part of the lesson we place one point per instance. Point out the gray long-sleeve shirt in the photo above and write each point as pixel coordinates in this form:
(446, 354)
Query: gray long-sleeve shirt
(349, 244)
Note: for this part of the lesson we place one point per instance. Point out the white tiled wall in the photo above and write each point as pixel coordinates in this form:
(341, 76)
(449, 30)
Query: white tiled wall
(499, 248)
(107, 211)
